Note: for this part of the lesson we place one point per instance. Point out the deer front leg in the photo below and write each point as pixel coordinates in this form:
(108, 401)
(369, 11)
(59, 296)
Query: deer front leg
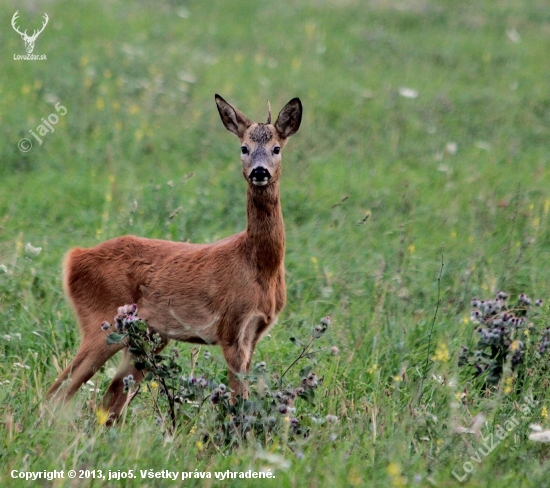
(238, 357)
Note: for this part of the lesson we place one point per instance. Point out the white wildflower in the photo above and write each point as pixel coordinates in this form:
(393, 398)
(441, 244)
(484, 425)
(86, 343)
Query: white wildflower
(22, 366)
(451, 148)
(408, 92)
(543, 436)
(513, 35)
(539, 435)
(33, 251)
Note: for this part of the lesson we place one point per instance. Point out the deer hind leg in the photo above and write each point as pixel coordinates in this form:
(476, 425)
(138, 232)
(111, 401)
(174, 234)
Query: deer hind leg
(115, 400)
(91, 356)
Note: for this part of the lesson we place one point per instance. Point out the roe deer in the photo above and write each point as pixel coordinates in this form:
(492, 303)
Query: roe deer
(227, 293)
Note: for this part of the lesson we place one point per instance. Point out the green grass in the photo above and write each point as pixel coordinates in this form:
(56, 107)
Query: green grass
(138, 81)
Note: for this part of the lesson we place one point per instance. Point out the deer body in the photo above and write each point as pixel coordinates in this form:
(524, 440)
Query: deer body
(227, 293)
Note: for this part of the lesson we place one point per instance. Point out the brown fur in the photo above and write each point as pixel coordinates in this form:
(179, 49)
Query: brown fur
(227, 293)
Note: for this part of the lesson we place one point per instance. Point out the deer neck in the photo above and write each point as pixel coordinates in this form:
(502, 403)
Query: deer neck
(265, 232)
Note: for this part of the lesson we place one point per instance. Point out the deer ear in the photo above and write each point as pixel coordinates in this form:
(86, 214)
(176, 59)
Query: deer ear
(289, 119)
(234, 120)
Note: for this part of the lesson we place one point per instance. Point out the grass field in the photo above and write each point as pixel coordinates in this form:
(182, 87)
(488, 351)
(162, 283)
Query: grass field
(431, 118)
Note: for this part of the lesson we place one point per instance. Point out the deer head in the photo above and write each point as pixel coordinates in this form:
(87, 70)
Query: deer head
(29, 40)
(261, 144)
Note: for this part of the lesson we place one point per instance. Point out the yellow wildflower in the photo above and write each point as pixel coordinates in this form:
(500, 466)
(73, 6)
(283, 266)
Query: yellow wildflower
(393, 469)
(508, 383)
(353, 477)
(372, 369)
(544, 412)
(102, 415)
(441, 353)
(399, 481)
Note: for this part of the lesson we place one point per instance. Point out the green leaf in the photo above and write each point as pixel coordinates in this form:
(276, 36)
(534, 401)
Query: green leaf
(308, 395)
(250, 407)
(114, 338)
(305, 371)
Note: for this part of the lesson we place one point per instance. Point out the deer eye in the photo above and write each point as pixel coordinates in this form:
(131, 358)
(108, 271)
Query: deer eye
(244, 150)
(276, 150)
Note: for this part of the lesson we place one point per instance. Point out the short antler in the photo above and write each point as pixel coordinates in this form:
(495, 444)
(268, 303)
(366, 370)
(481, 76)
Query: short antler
(268, 113)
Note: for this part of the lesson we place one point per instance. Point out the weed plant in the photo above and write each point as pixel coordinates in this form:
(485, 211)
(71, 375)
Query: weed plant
(200, 401)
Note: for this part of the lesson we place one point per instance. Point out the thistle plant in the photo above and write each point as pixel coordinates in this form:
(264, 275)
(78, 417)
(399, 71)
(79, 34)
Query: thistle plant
(143, 345)
(199, 402)
(508, 334)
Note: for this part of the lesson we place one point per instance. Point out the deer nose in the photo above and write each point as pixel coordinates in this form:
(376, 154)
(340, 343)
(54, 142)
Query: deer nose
(259, 176)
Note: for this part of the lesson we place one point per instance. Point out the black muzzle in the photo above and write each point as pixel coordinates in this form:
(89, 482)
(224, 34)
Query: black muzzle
(259, 176)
